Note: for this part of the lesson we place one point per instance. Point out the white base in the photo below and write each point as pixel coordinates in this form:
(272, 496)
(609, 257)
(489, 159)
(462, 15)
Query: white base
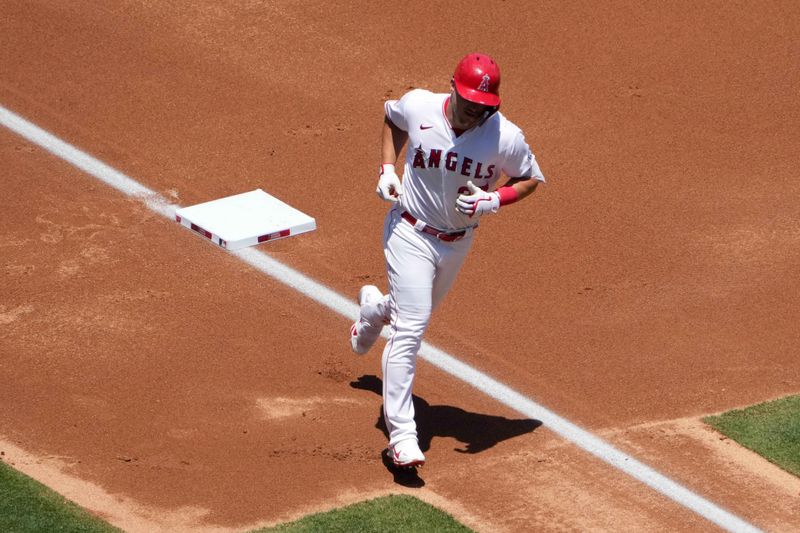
(245, 220)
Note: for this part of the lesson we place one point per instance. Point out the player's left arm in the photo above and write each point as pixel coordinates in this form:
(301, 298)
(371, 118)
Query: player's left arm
(479, 202)
(522, 170)
(525, 175)
(523, 187)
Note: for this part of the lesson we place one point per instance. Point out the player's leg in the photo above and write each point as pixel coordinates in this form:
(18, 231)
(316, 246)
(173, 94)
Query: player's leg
(411, 268)
(411, 317)
(374, 307)
(377, 309)
(421, 271)
(374, 314)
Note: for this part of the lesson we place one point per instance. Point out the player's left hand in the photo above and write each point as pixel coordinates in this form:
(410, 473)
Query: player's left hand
(478, 202)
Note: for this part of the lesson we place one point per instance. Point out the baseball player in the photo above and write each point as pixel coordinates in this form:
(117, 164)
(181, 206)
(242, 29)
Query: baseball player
(459, 144)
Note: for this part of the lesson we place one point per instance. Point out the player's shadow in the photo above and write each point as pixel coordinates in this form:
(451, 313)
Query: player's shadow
(477, 432)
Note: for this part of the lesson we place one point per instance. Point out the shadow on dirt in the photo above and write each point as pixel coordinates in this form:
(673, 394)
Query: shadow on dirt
(478, 432)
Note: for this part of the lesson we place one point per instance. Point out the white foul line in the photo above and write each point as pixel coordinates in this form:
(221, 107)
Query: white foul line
(344, 306)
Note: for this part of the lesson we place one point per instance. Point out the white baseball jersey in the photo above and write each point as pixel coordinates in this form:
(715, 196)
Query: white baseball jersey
(439, 163)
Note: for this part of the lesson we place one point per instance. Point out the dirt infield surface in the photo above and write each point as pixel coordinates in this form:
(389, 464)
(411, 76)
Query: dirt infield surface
(165, 385)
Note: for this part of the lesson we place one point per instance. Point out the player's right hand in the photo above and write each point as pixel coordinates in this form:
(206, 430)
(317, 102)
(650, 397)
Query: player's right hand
(389, 186)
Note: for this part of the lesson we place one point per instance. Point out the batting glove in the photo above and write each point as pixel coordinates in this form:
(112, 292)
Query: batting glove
(478, 202)
(389, 186)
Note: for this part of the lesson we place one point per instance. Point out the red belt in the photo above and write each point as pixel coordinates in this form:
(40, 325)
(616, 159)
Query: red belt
(439, 234)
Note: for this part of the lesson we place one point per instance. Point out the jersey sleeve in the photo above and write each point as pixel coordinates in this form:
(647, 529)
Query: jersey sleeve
(520, 161)
(396, 110)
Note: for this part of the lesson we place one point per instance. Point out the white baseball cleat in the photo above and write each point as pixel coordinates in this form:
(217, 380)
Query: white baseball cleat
(406, 453)
(363, 334)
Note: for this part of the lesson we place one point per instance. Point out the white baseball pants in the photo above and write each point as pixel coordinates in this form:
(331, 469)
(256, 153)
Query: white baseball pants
(421, 269)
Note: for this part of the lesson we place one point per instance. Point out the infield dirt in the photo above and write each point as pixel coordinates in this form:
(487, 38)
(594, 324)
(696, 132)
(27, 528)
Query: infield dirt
(163, 384)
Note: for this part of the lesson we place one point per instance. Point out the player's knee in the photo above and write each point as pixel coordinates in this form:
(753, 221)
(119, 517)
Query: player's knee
(413, 321)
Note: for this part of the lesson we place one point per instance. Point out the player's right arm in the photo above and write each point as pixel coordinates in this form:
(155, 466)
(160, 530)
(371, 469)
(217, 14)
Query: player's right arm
(392, 141)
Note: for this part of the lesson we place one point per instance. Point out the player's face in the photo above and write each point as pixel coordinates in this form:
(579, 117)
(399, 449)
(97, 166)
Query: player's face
(466, 114)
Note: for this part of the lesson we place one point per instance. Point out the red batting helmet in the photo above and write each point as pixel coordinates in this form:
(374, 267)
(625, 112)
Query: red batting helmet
(477, 79)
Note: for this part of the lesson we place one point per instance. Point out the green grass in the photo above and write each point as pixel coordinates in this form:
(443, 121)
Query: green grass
(27, 506)
(391, 513)
(771, 429)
